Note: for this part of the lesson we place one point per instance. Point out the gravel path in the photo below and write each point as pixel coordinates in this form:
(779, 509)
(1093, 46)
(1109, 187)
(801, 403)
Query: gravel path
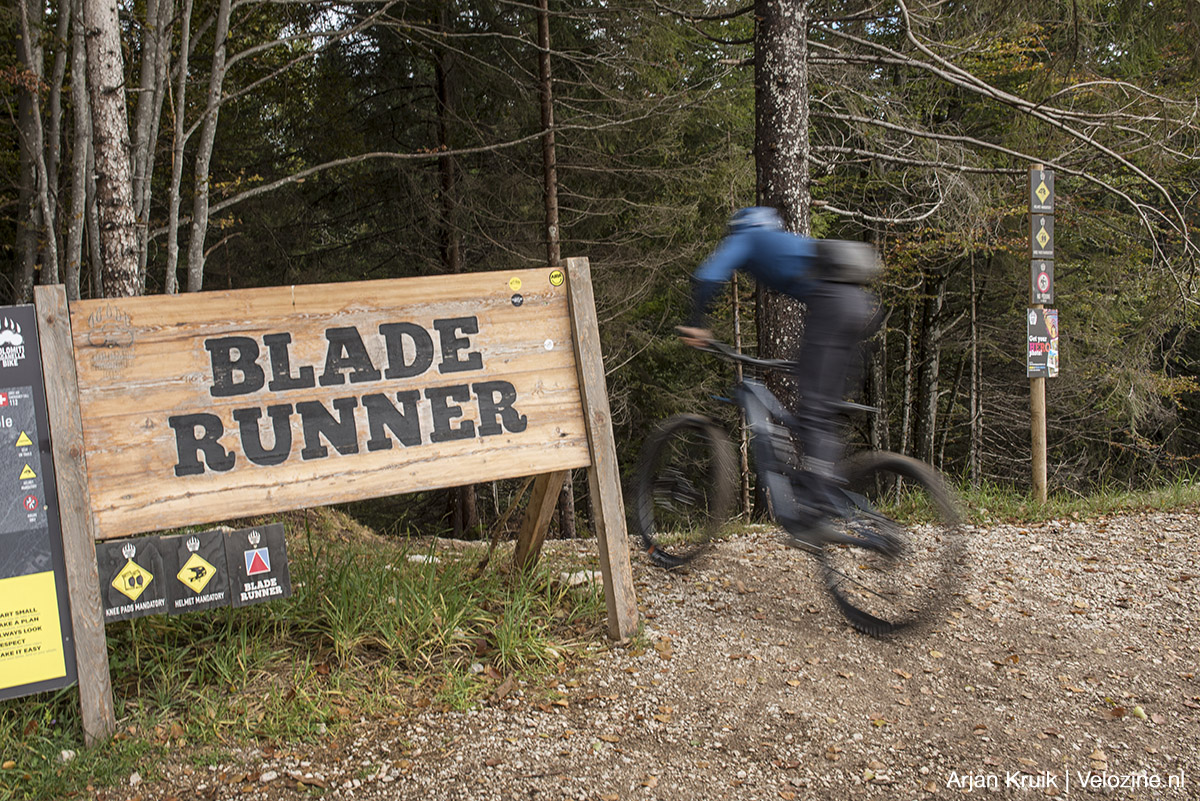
(1066, 668)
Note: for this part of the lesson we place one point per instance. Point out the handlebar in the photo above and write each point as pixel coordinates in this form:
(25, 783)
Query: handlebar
(730, 354)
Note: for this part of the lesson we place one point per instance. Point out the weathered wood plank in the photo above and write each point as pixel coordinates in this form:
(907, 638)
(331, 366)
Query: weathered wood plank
(537, 518)
(75, 516)
(604, 478)
(382, 387)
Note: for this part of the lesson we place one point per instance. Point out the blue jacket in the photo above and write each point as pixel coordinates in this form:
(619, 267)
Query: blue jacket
(780, 260)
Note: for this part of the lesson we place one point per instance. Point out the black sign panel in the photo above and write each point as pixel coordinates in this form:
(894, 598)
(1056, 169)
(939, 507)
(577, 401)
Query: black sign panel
(37, 650)
(258, 565)
(1041, 236)
(1041, 191)
(134, 578)
(1041, 282)
(198, 577)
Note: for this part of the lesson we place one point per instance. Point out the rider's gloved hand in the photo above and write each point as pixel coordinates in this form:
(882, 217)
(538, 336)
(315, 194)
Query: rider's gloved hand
(694, 337)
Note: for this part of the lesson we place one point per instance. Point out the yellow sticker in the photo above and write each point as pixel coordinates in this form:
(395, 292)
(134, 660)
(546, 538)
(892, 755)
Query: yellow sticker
(133, 580)
(28, 473)
(24, 441)
(514, 283)
(196, 573)
(557, 278)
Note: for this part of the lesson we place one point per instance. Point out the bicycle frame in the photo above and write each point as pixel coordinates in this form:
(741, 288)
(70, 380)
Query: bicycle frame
(774, 455)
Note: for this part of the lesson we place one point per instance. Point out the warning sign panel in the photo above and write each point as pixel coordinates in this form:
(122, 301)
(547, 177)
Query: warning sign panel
(131, 578)
(201, 579)
(258, 564)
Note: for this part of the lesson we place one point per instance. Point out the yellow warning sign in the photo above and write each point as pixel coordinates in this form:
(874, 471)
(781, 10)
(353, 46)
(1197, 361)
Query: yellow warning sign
(133, 580)
(196, 573)
(24, 441)
(28, 473)
(1042, 191)
(1042, 236)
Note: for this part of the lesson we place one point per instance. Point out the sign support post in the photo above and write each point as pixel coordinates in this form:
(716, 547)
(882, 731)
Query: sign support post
(1041, 208)
(75, 512)
(604, 478)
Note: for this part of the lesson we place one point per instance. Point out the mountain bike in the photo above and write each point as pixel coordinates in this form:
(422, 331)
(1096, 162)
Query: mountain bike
(884, 574)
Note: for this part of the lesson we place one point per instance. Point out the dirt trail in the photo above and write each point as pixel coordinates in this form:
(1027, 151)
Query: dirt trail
(1067, 668)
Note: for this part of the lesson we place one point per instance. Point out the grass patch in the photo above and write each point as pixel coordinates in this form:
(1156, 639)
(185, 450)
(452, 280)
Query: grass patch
(992, 503)
(373, 627)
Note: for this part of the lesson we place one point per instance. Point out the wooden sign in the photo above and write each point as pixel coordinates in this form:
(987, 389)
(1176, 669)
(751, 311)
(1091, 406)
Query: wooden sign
(199, 407)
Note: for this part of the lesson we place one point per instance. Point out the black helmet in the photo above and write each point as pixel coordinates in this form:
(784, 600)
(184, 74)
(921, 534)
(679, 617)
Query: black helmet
(755, 217)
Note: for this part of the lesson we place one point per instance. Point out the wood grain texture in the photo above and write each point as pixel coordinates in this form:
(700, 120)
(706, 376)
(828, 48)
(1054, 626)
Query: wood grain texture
(604, 478)
(75, 516)
(143, 361)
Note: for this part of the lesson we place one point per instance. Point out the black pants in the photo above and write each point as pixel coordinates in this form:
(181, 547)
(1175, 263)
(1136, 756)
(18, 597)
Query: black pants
(837, 320)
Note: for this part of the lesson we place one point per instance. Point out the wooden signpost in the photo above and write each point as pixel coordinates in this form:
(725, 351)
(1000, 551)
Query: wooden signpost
(196, 408)
(1042, 323)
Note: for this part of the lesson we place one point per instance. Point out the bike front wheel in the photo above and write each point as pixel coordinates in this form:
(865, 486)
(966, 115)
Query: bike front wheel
(897, 574)
(683, 490)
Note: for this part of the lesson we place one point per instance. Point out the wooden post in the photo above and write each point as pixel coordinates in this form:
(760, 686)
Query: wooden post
(75, 513)
(546, 489)
(1037, 435)
(1037, 414)
(604, 479)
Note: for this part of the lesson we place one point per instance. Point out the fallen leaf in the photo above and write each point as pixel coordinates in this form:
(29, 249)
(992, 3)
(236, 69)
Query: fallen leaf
(793, 682)
(902, 674)
(650, 781)
(936, 654)
(610, 738)
(787, 795)
(8, 764)
(1158, 719)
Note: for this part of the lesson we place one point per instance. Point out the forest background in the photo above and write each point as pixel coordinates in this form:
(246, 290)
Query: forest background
(178, 145)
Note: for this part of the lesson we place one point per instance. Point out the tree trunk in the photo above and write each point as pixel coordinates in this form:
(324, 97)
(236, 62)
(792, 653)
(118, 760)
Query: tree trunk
(29, 222)
(110, 137)
(906, 401)
(62, 48)
(878, 430)
(80, 149)
(566, 498)
(781, 162)
(466, 510)
(208, 135)
(929, 376)
(155, 61)
(171, 276)
(976, 416)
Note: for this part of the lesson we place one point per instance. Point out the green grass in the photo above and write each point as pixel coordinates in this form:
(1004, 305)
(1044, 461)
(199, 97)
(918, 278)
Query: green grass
(992, 503)
(368, 630)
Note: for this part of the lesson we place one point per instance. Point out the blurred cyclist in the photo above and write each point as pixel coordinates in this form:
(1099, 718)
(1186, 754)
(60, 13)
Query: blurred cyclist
(826, 275)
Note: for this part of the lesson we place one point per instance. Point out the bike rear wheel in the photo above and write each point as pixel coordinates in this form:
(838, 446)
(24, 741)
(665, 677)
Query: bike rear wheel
(684, 489)
(901, 574)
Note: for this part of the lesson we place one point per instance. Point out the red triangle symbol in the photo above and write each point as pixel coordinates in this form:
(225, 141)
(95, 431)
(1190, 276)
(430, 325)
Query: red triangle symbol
(257, 565)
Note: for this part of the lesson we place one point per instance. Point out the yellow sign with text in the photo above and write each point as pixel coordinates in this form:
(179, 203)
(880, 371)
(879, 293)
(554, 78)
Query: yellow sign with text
(31, 647)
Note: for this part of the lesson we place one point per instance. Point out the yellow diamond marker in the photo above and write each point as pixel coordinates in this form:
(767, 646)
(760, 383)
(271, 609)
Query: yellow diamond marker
(24, 441)
(1042, 236)
(1042, 192)
(133, 580)
(196, 573)
(28, 473)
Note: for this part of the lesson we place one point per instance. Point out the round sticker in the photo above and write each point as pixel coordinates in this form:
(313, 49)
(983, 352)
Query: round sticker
(557, 278)
(549, 344)
(1043, 282)
(514, 283)
(517, 299)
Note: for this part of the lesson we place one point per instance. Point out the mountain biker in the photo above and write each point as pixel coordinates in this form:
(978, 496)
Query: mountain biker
(839, 310)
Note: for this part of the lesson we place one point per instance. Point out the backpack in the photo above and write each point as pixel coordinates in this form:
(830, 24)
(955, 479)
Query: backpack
(844, 262)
